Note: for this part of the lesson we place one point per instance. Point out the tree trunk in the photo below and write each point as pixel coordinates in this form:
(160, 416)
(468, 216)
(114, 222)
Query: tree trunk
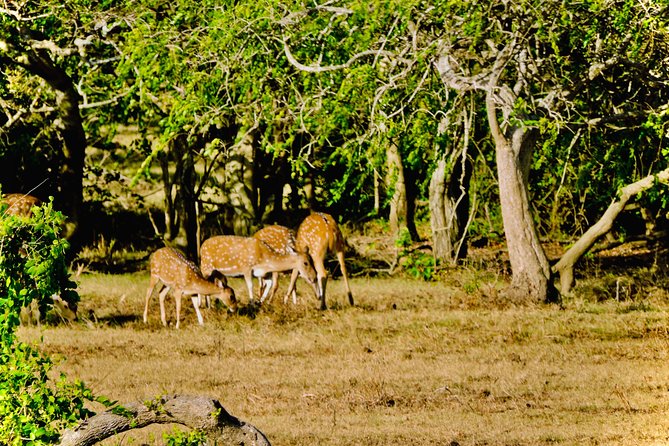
(199, 413)
(410, 213)
(377, 193)
(531, 281)
(169, 208)
(449, 208)
(565, 267)
(188, 197)
(439, 222)
(70, 199)
(395, 183)
(402, 202)
(241, 191)
(181, 196)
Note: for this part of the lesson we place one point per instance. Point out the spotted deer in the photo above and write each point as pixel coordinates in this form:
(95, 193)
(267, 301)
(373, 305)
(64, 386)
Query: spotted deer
(170, 268)
(20, 205)
(281, 240)
(232, 255)
(317, 235)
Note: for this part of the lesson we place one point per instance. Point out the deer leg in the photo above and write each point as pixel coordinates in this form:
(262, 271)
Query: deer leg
(323, 285)
(177, 298)
(322, 275)
(161, 298)
(291, 287)
(264, 288)
(152, 284)
(197, 300)
(269, 292)
(275, 286)
(340, 257)
(249, 284)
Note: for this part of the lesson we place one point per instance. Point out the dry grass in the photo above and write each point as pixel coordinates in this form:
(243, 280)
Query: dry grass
(411, 364)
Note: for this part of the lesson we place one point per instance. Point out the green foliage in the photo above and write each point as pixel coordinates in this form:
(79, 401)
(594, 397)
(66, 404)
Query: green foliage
(34, 405)
(180, 438)
(361, 76)
(417, 264)
(32, 263)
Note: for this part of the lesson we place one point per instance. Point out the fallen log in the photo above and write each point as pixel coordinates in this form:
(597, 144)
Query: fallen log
(196, 412)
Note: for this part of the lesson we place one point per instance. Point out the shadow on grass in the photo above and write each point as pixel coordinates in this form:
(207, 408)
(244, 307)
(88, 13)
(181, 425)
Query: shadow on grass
(115, 320)
(250, 310)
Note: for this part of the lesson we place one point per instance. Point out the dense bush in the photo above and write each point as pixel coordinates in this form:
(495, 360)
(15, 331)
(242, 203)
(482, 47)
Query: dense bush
(34, 405)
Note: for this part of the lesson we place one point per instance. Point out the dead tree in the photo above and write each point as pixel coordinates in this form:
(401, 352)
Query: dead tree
(196, 412)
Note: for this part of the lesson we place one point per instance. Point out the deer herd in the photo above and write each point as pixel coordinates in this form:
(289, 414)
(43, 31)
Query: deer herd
(271, 250)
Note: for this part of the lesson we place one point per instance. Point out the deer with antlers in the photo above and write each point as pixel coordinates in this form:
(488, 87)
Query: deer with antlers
(171, 269)
(232, 255)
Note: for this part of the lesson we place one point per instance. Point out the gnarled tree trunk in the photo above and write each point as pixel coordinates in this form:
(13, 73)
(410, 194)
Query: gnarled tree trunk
(531, 281)
(196, 412)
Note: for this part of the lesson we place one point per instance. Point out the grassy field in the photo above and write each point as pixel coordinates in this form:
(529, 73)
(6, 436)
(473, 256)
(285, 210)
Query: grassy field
(413, 363)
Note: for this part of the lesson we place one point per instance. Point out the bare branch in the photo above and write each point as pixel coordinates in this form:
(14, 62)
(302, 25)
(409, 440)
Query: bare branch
(447, 69)
(322, 69)
(52, 47)
(295, 17)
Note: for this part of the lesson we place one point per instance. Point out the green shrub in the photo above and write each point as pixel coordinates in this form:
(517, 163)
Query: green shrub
(417, 264)
(181, 438)
(35, 406)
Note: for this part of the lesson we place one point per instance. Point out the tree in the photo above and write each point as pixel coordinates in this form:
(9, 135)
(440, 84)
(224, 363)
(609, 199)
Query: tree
(377, 55)
(536, 63)
(565, 267)
(55, 57)
(450, 191)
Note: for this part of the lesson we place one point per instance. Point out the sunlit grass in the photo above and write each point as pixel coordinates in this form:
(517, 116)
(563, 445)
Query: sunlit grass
(413, 363)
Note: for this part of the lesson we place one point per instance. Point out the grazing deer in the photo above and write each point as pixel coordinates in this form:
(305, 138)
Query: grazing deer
(317, 235)
(170, 268)
(232, 255)
(20, 205)
(281, 240)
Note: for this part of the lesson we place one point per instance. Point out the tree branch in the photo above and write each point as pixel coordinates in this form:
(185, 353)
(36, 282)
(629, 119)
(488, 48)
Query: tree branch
(321, 69)
(566, 264)
(202, 413)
